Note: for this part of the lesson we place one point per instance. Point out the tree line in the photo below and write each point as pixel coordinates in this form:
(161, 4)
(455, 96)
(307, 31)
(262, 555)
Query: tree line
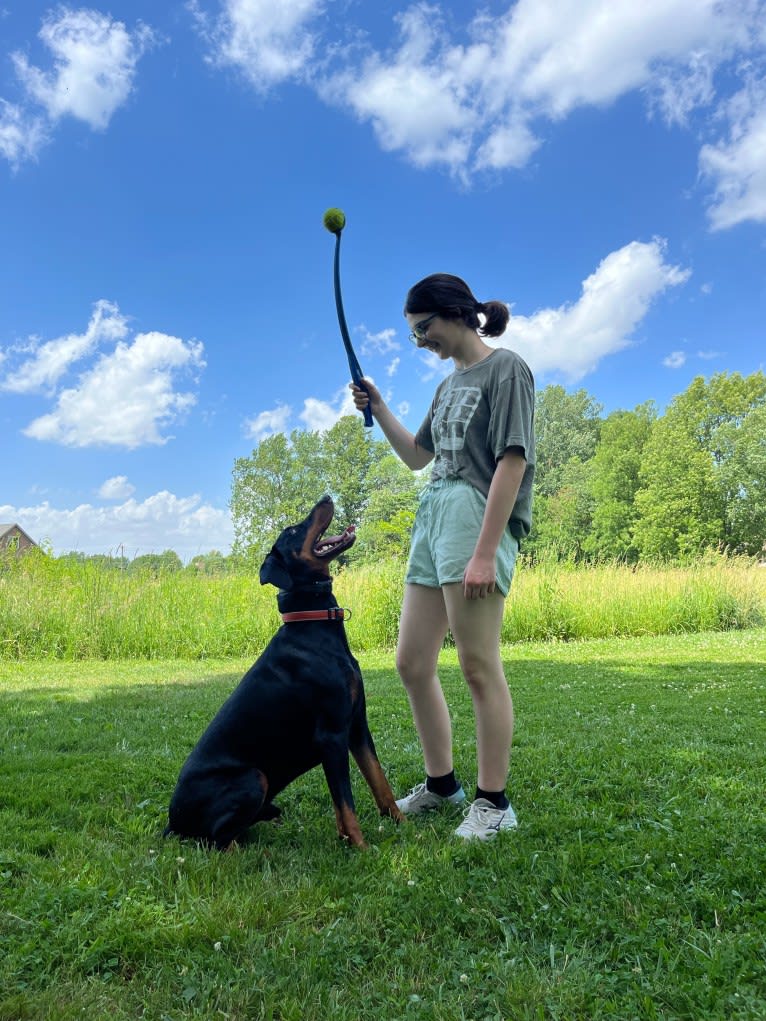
(629, 486)
(213, 562)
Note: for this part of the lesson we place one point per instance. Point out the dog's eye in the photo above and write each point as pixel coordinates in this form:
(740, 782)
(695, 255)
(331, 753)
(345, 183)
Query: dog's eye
(293, 531)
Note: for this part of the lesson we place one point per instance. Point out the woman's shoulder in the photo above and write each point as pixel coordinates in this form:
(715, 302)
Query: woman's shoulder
(508, 363)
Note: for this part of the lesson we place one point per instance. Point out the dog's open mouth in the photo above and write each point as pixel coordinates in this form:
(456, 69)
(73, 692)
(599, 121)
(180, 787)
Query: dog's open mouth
(328, 546)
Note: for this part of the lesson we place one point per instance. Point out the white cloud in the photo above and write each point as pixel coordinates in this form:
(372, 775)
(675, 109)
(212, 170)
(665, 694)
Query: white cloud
(117, 488)
(95, 60)
(482, 95)
(267, 423)
(510, 144)
(568, 53)
(479, 103)
(572, 339)
(737, 166)
(674, 360)
(22, 134)
(708, 356)
(381, 343)
(52, 359)
(418, 100)
(127, 398)
(678, 90)
(268, 42)
(318, 415)
(393, 367)
(162, 521)
(94, 65)
(434, 367)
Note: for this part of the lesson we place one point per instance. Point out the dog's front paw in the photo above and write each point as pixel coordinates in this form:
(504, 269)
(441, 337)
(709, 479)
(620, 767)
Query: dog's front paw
(269, 812)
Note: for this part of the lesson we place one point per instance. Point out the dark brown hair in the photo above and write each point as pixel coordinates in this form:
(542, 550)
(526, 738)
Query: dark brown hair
(451, 298)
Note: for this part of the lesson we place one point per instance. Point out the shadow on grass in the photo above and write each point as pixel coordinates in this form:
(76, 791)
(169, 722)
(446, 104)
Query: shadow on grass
(610, 736)
(631, 889)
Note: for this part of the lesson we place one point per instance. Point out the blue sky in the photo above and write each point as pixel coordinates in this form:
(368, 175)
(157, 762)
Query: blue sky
(166, 282)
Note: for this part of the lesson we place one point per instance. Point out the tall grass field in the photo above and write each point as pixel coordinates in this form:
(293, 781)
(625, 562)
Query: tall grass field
(632, 890)
(57, 610)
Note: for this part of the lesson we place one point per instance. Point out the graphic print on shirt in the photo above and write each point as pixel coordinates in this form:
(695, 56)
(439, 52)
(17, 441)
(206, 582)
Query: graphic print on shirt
(449, 425)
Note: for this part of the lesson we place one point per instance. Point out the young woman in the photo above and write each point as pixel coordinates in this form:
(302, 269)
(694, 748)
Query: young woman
(479, 434)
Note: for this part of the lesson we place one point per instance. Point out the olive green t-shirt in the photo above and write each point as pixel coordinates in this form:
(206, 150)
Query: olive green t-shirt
(476, 415)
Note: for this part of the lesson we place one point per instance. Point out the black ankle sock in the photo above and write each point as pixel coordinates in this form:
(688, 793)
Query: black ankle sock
(442, 785)
(498, 798)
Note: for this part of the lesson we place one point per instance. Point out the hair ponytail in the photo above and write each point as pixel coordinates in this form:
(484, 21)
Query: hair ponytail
(496, 318)
(451, 298)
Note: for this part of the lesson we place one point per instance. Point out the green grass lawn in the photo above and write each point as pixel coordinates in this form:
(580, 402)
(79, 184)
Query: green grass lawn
(633, 888)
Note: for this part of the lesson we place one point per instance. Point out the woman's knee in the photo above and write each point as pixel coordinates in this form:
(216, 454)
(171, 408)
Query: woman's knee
(414, 668)
(482, 669)
(408, 668)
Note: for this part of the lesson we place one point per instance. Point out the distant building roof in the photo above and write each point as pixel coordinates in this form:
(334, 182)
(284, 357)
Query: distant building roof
(5, 528)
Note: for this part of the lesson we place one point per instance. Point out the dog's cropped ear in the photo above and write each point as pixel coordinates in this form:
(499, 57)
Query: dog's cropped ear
(274, 571)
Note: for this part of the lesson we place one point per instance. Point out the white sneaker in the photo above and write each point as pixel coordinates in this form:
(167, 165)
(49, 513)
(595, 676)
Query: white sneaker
(420, 800)
(483, 821)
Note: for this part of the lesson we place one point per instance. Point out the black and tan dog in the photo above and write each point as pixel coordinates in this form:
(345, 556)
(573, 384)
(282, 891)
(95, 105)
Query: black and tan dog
(300, 705)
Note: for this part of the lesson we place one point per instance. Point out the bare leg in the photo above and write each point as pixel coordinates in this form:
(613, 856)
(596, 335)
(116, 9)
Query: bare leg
(422, 630)
(475, 626)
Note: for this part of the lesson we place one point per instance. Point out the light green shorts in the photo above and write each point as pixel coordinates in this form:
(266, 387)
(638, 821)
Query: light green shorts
(447, 525)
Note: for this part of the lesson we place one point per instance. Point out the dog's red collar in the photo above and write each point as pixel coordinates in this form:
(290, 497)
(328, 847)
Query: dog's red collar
(333, 613)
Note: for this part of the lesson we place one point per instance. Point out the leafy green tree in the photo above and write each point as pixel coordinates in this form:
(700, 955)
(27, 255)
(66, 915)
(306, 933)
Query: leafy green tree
(678, 514)
(274, 487)
(565, 521)
(284, 476)
(566, 433)
(615, 482)
(722, 402)
(732, 429)
(566, 428)
(692, 495)
(157, 563)
(350, 461)
(102, 560)
(389, 513)
(742, 477)
(213, 562)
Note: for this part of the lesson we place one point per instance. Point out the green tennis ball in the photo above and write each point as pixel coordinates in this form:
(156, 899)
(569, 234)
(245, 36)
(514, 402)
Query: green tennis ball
(334, 220)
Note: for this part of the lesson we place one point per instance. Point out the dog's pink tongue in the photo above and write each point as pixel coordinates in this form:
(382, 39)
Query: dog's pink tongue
(351, 530)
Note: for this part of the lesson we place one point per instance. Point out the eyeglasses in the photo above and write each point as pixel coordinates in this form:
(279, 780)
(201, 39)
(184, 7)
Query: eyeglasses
(420, 330)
